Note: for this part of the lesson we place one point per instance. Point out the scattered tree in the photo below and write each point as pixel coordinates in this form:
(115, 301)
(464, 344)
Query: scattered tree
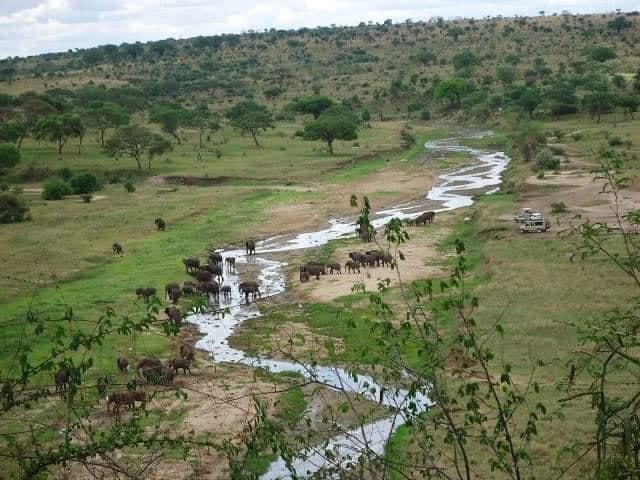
(250, 117)
(335, 123)
(84, 184)
(619, 23)
(55, 189)
(203, 120)
(529, 101)
(451, 90)
(170, 119)
(13, 132)
(313, 105)
(134, 141)
(104, 115)
(13, 209)
(59, 129)
(506, 74)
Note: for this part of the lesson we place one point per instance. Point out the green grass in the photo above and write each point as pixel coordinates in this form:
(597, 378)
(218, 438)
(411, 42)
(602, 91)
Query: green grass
(291, 406)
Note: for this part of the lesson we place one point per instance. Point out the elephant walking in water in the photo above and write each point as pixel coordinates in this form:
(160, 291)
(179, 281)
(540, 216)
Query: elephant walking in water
(250, 246)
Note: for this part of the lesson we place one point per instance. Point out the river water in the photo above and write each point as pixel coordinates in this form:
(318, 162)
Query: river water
(453, 190)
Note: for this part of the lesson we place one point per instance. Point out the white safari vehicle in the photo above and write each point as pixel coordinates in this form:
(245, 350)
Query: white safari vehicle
(536, 223)
(524, 214)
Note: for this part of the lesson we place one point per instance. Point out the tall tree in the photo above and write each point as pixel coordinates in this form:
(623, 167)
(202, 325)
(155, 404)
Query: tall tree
(104, 115)
(452, 90)
(335, 123)
(134, 141)
(619, 23)
(13, 132)
(529, 101)
(59, 129)
(250, 117)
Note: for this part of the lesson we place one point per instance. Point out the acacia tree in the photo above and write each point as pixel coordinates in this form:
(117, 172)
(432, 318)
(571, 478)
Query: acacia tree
(13, 132)
(451, 90)
(134, 141)
(59, 129)
(104, 115)
(619, 23)
(335, 123)
(529, 101)
(250, 117)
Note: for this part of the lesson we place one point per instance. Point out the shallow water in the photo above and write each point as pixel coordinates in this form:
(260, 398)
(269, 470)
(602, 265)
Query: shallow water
(448, 194)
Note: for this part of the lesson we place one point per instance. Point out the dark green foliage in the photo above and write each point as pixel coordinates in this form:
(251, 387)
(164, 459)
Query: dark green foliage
(13, 132)
(506, 74)
(601, 54)
(170, 118)
(313, 105)
(129, 186)
(65, 174)
(619, 23)
(546, 161)
(629, 103)
(598, 103)
(426, 57)
(9, 156)
(12, 208)
(55, 189)
(451, 90)
(464, 60)
(529, 101)
(84, 183)
(336, 123)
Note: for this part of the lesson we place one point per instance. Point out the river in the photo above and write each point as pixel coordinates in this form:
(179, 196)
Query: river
(453, 190)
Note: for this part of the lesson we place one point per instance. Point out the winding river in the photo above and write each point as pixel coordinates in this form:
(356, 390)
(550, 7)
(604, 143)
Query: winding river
(453, 190)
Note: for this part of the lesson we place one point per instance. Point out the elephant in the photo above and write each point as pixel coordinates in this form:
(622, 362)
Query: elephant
(249, 289)
(334, 267)
(304, 276)
(216, 271)
(388, 260)
(191, 264)
(215, 258)
(230, 264)
(368, 260)
(121, 399)
(356, 256)
(203, 276)
(430, 216)
(169, 287)
(322, 267)
(188, 291)
(145, 293)
(250, 246)
(226, 292)
(312, 270)
(352, 266)
(160, 224)
(147, 362)
(117, 249)
(62, 378)
(186, 352)
(175, 316)
(158, 375)
(211, 288)
(177, 363)
(174, 295)
(377, 255)
(123, 364)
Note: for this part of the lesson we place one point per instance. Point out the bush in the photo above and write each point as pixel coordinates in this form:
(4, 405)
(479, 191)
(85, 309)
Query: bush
(425, 114)
(299, 133)
(55, 190)
(9, 156)
(546, 160)
(13, 209)
(559, 207)
(129, 187)
(614, 141)
(85, 183)
(86, 197)
(65, 173)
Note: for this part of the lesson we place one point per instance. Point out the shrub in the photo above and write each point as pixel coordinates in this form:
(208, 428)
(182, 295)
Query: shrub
(546, 160)
(13, 209)
(86, 197)
(577, 136)
(425, 114)
(55, 189)
(9, 156)
(65, 173)
(299, 133)
(129, 187)
(4, 187)
(85, 183)
(614, 141)
(559, 207)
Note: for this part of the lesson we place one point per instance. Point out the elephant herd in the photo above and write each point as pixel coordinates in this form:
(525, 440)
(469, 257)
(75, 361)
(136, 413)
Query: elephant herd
(149, 371)
(357, 260)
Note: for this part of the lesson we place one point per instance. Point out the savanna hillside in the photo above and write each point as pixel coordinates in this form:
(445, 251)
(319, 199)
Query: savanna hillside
(234, 137)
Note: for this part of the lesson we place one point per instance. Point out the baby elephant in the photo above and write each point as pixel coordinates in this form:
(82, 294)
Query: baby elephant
(123, 364)
(117, 249)
(120, 399)
(187, 353)
(179, 363)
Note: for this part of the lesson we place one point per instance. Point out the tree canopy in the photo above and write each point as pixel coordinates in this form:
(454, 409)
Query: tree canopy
(335, 123)
(134, 141)
(59, 129)
(313, 105)
(104, 115)
(451, 90)
(170, 118)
